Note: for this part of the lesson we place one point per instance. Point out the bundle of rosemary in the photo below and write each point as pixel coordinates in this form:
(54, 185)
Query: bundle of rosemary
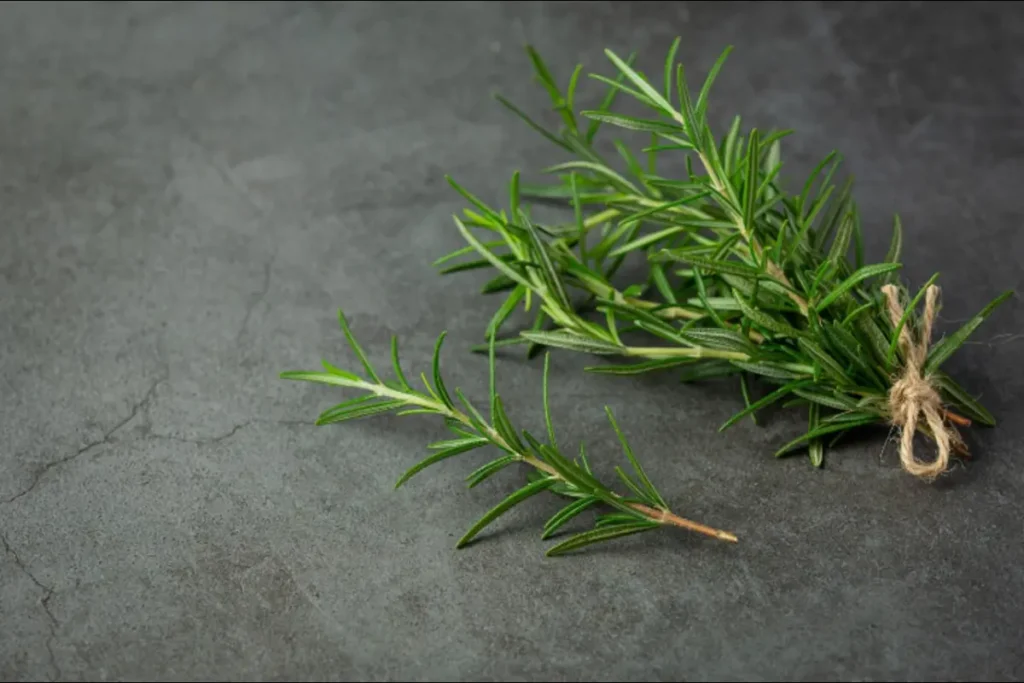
(741, 280)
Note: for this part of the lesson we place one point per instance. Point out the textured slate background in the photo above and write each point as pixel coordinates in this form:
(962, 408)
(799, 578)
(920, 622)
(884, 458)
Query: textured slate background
(189, 192)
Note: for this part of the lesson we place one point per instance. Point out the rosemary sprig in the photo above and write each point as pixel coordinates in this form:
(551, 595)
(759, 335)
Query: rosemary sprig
(641, 509)
(743, 280)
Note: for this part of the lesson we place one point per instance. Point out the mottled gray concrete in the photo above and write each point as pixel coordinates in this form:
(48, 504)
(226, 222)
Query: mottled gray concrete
(189, 192)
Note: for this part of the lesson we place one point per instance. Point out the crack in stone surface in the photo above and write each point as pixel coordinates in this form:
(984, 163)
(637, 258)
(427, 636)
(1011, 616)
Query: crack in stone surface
(149, 435)
(256, 300)
(104, 440)
(139, 407)
(44, 602)
(225, 436)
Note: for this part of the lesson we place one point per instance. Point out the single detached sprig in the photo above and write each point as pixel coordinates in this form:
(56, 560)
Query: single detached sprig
(641, 509)
(743, 279)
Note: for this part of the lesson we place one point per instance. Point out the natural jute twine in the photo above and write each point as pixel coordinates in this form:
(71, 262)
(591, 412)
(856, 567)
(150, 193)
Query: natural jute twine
(913, 395)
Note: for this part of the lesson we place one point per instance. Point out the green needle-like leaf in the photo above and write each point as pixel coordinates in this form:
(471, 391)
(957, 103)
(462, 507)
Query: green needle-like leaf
(632, 122)
(485, 471)
(396, 364)
(566, 514)
(705, 91)
(947, 347)
(764, 402)
(608, 533)
(565, 339)
(641, 83)
(457, 448)
(896, 246)
(339, 372)
(495, 261)
(506, 309)
(639, 368)
(963, 401)
(531, 489)
(439, 386)
(717, 266)
(346, 412)
(828, 428)
(343, 321)
(644, 480)
(855, 279)
(533, 124)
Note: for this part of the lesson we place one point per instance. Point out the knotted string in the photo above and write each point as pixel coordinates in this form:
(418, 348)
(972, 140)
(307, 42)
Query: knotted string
(913, 395)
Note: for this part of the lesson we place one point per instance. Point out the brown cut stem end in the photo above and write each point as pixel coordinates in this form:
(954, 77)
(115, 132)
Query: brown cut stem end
(957, 419)
(666, 517)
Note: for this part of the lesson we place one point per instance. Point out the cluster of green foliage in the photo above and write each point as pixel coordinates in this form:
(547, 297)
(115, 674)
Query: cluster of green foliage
(742, 280)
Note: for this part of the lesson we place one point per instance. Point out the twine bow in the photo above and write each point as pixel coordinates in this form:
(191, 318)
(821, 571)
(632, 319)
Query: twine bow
(913, 395)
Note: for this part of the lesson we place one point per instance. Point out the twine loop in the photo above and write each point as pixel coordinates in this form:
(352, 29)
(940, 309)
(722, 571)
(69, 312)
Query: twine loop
(913, 396)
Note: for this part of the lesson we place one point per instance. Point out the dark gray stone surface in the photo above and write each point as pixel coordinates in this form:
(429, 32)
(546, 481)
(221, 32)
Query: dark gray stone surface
(190, 191)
